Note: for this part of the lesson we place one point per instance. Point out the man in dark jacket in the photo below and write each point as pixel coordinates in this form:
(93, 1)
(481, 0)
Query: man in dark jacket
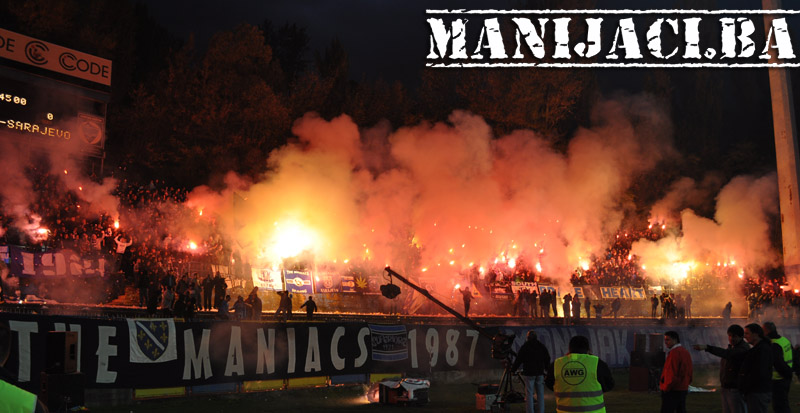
(466, 295)
(208, 288)
(254, 301)
(755, 375)
(311, 307)
(782, 365)
(220, 287)
(534, 358)
(732, 400)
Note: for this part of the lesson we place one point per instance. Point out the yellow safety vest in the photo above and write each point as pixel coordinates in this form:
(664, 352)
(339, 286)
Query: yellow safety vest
(786, 346)
(15, 400)
(576, 387)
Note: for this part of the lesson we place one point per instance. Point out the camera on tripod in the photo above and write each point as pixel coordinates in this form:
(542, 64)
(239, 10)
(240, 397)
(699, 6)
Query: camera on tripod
(501, 346)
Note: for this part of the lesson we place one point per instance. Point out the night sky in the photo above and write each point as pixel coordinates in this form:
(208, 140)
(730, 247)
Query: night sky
(386, 39)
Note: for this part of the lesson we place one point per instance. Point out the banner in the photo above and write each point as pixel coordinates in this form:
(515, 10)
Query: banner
(348, 283)
(115, 353)
(552, 289)
(54, 263)
(327, 282)
(516, 286)
(389, 343)
(299, 282)
(152, 340)
(267, 279)
(623, 293)
(111, 353)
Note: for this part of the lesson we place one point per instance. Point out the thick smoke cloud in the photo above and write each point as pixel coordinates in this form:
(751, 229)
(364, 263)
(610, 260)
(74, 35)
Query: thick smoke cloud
(63, 158)
(737, 237)
(441, 198)
(436, 200)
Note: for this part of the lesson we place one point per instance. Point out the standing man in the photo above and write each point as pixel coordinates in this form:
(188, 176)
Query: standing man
(254, 301)
(533, 301)
(587, 304)
(653, 306)
(576, 309)
(755, 375)
(782, 368)
(544, 302)
(534, 358)
(219, 288)
(615, 306)
(579, 379)
(565, 307)
(676, 376)
(726, 312)
(208, 288)
(729, 365)
(282, 312)
(310, 306)
(466, 295)
(688, 303)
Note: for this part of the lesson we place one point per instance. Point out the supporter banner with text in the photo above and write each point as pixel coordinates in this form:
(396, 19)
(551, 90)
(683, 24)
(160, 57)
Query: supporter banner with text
(150, 353)
(53, 263)
(624, 293)
(299, 282)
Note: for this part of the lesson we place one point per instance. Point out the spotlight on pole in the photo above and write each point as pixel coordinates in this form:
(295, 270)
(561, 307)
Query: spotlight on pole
(390, 291)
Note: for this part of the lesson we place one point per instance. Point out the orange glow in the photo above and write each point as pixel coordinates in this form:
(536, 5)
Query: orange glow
(192, 245)
(116, 224)
(291, 238)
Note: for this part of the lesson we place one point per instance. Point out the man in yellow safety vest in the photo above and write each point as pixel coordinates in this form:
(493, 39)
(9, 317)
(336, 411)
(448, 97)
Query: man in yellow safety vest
(579, 379)
(782, 368)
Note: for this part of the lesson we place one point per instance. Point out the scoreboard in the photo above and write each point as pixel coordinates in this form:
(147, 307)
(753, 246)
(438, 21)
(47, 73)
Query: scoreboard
(48, 113)
(38, 110)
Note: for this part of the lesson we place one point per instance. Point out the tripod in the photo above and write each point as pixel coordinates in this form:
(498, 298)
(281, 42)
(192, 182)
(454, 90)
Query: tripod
(505, 391)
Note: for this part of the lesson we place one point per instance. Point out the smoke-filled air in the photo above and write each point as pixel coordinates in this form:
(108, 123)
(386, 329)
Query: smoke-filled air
(442, 201)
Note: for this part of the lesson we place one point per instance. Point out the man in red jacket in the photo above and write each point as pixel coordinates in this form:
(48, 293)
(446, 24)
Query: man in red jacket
(676, 376)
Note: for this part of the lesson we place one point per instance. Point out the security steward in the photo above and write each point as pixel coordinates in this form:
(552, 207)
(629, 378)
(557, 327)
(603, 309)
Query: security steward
(782, 368)
(579, 379)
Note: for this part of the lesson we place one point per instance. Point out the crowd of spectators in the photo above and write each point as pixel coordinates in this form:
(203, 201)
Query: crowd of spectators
(136, 237)
(139, 238)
